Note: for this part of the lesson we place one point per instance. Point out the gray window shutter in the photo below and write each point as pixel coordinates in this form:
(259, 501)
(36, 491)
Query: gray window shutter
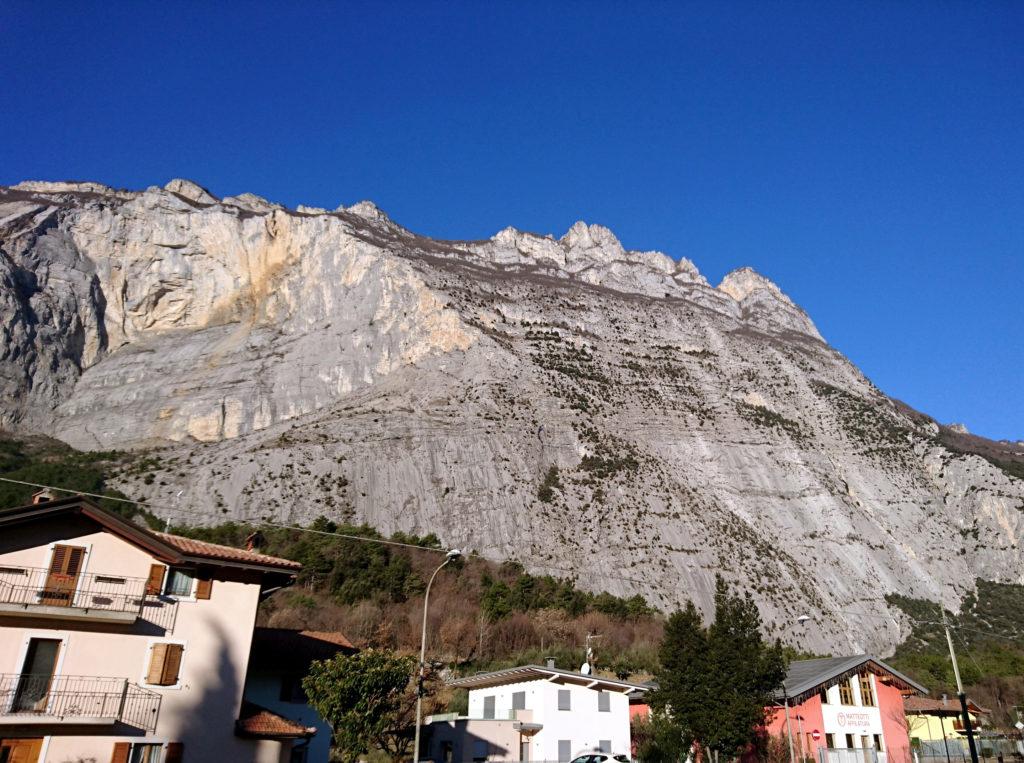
(564, 750)
(604, 702)
(605, 745)
(564, 702)
(489, 707)
(519, 700)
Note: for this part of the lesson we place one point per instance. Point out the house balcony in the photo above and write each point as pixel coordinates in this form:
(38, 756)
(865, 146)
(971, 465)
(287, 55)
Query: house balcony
(36, 592)
(27, 699)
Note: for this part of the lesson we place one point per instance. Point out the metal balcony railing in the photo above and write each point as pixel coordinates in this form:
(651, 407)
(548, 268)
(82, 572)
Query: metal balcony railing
(81, 699)
(33, 588)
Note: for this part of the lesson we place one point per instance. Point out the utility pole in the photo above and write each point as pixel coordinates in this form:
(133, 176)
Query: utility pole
(960, 693)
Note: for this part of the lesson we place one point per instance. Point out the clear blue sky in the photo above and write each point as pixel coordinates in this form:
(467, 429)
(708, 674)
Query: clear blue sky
(867, 156)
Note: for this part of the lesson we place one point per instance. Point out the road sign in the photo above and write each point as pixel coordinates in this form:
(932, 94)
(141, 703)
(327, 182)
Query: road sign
(815, 735)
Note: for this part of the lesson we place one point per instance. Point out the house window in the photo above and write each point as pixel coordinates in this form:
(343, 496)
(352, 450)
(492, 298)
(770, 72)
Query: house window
(134, 752)
(830, 741)
(604, 745)
(878, 743)
(849, 741)
(564, 750)
(604, 704)
(164, 664)
(845, 694)
(867, 694)
(564, 701)
(146, 753)
(519, 700)
(489, 707)
(179, 582)
(823, 694)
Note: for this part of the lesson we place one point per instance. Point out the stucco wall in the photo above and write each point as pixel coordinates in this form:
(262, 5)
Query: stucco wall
(584, 725)
(885, 719)
(264, 688)
(216, 634)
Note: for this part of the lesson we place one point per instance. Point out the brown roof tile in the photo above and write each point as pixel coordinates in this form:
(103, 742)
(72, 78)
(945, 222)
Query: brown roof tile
(206, 550)
(288, 649)
(256, 721)
(929, 705)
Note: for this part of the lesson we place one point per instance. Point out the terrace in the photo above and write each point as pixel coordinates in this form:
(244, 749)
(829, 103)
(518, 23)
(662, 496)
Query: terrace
(38, 593)
(82, 700)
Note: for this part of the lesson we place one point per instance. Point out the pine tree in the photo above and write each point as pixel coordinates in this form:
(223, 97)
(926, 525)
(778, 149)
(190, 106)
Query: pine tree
(715, 683)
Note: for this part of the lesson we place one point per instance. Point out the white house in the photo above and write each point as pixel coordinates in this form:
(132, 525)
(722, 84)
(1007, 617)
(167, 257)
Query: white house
(121, 644)
(533, 713)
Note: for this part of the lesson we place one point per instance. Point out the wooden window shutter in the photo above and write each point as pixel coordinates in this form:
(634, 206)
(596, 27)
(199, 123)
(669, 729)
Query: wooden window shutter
(155, 583)
(121, 752)
(74, 563)
(157, 658)
(60, 555)
(175, 752)
(204, 585)
(172, 664)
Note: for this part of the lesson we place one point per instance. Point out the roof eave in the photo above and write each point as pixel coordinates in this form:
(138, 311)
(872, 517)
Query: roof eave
(803, 691)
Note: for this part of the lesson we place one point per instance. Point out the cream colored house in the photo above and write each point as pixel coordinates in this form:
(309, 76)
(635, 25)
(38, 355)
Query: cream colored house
(126, 645)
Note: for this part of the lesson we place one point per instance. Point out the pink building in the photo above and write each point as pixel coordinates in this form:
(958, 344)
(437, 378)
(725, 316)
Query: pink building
(845, 710)
(838, 710)
(122, 644)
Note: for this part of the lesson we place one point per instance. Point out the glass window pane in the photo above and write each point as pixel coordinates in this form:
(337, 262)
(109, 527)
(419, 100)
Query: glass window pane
(179, 583)
(564, 703)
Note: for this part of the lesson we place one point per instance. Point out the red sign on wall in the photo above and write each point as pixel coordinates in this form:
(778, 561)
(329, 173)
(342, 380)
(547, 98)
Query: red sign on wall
(815, 735)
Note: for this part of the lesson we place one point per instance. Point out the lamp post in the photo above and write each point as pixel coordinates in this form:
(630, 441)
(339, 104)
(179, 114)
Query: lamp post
(449, 557)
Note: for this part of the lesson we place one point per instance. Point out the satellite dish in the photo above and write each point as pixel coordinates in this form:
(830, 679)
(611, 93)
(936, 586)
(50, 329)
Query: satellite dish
(585, 670)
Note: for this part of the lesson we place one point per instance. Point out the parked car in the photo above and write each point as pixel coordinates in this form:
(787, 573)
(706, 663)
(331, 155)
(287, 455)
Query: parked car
(596, 756)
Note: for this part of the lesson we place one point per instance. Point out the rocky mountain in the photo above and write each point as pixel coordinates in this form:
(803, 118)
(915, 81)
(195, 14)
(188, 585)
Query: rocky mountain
(587, 410)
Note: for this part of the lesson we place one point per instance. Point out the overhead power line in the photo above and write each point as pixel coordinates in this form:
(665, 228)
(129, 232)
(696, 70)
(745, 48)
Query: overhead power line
(296, 528)
(472, 554)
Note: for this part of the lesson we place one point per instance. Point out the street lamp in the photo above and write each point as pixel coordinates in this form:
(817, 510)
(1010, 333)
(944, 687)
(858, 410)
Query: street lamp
(449, 557)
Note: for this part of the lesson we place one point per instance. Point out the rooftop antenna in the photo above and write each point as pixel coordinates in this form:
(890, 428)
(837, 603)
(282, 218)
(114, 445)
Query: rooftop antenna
(588, 666)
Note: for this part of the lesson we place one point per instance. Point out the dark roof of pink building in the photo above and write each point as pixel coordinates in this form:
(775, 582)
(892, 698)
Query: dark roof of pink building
(806, 677)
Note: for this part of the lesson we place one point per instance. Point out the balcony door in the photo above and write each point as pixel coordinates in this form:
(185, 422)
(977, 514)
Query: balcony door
(62, 578)
(37, 675)
(20, 750)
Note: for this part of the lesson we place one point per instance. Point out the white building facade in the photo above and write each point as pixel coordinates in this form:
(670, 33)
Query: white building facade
(534, 713)
(122, 644)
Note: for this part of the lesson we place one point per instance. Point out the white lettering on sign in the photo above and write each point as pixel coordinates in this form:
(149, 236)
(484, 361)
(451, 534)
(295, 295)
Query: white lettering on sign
(853, 719)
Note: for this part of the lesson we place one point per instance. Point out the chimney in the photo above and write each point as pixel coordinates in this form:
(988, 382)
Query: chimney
(550, 661)
(943, 699)
(43, 496)
(253, 541)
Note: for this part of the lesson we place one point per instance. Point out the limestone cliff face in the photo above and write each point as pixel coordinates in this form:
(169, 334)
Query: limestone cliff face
(289, 364)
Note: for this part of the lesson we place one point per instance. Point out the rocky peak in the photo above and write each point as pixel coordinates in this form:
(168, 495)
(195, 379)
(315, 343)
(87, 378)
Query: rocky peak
(367, 210)
(763, 304)
(592, 242)
(65, 186)
(742, 282)
(191, 191)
